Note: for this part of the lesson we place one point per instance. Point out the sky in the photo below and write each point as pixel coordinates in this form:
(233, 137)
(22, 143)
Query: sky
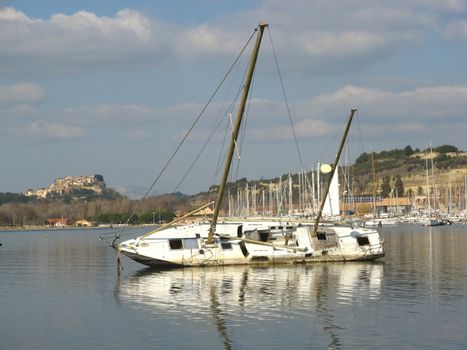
(111, 87)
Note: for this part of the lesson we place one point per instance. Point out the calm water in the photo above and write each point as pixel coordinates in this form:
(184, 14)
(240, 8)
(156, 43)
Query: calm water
(61, 290)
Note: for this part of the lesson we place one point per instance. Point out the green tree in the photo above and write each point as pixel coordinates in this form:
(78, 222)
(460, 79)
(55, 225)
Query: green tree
(446, 149)
(399, 187)
(148, 217)
(386, 187)
(408, 150)
(419, 191)
(364, 157)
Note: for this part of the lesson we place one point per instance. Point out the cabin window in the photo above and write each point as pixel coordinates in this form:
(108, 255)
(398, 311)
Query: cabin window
(226, 245)
(363, 241)
(321, 236)
(175, 244)
(190, 243)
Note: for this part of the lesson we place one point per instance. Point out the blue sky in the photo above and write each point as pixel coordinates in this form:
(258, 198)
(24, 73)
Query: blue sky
(110, 87)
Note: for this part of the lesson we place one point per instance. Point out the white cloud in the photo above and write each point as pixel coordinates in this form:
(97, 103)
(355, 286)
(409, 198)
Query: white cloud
(456, 30)
(304, 129)
(383, 113)
(331, 44)
(109, 113)
(23, 93)
(138, 135)
(335, 36)
(66, 42)
(44, 130)
(448, 102)
(402, 112)
(455, 6)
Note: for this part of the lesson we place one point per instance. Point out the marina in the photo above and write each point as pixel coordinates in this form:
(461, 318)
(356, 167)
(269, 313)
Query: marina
(61, 288)
(236, 175)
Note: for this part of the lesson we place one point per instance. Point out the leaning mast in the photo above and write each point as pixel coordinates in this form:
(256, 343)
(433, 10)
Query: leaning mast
(331, 175)
(235, 131)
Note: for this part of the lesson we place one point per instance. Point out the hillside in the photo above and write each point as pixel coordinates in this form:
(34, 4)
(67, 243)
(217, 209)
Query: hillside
(449, 167)
(449, 170)
(77, 198)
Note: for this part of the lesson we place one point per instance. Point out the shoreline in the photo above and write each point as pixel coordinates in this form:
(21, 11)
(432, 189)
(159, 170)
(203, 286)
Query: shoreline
(46, 228)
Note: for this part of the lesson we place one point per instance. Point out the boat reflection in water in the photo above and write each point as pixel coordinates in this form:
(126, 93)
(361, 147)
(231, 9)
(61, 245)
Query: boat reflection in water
(244, 296)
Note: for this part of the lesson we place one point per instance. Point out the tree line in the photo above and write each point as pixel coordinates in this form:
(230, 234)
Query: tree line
(22, 212)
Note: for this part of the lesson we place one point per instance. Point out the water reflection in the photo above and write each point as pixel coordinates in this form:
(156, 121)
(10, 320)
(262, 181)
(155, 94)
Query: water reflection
(54, 286)
(227, 297)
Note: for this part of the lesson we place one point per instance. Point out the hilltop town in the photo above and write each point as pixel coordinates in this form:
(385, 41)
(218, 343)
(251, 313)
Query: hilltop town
(70, 185)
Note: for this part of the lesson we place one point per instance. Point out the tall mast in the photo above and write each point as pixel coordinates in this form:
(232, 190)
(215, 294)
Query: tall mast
(374, 182)
(235, 131)
(465, 193)
(313, 192)
(428, 186)
(433, 182)
(331, 174)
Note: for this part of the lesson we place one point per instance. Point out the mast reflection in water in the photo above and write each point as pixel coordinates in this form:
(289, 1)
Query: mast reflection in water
(227, 297)
(60, 289)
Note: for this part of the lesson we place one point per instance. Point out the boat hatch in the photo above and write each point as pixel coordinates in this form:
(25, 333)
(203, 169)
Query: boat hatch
(226, 245)
(321, 236)
(363, 240)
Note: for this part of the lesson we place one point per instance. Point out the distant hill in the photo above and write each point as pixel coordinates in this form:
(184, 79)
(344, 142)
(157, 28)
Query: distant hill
(83, 187)
(449, 167)
(88, 197)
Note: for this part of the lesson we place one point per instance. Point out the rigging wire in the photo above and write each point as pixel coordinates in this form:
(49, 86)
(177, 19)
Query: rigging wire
(243, 131)
(216, 126)
(331, 141)
(231, 108)
(360, 133)
(213, 131)
(285, 99)
(229, 111)
(117, 236)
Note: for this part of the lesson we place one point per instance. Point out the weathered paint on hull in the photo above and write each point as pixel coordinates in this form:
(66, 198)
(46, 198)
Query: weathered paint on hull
(152, 262)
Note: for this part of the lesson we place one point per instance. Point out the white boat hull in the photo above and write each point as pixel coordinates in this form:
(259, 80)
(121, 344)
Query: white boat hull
(284, 244)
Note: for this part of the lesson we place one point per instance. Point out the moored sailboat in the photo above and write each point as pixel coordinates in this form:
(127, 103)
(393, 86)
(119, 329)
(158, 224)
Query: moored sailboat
(245, 242)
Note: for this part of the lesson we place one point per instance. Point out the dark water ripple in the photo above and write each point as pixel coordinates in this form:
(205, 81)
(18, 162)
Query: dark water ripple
(61, 290)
